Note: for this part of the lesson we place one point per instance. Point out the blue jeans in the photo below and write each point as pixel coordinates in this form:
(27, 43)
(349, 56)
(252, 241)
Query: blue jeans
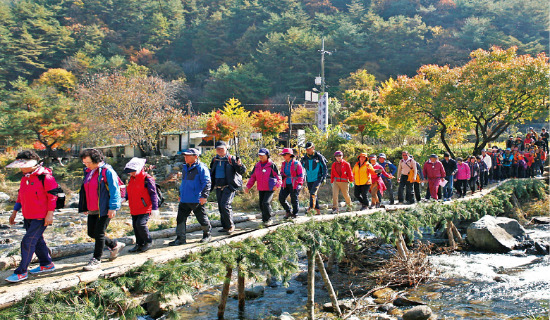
(448, 188)
(33, 243)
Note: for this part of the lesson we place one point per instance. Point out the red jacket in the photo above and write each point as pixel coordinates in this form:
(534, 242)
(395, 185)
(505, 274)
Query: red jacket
(33, 194)
(139, 196)
(341, 172)
(433, 170)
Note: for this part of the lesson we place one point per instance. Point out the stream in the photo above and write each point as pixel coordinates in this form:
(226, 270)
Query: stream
(470, 285)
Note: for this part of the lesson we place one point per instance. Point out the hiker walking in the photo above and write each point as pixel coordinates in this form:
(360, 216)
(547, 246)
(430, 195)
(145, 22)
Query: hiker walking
(391, 169)
(37, 203)
(341, 176)
(194, 190)
(362, 171)
(141, 194)
(407, 167)
(99, 199)
(266, 176)
(226, 173)
(316, 172)
(434, 173)
(292, 180)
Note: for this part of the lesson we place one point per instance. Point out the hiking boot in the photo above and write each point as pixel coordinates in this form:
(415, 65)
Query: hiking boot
(206, 237)
(268, 223)
(288, 215)
(363, 207)
(334, 211)
(317, 212)
(41, 269)
(177, 242)
(116, 250)
(136, 248)
(17, 277)
(228, 231)
(145, 247)
(92, 265)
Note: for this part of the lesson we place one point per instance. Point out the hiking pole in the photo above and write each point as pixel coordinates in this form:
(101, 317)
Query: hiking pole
(236, 147)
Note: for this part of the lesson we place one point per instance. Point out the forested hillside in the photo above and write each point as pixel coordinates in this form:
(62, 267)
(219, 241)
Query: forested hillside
(258, 50)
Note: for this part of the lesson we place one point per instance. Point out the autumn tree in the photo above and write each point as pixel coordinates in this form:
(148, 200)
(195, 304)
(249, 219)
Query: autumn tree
(39, 113)
(270, 124)
(219, 126)
(366, 124)
(494, 90)
(140, 108)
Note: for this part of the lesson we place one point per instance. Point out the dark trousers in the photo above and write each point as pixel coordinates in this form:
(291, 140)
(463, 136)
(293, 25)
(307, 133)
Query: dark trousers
(184, 210)
(404, 184)
(225, 199)
(473, 182)
(448, 188)
(139, 222)
(521, 172)
(313, 188)
(461, 187)
(33, 243)
(485, 178)
(284, 193)
(506, 172)
(389, 190)
(265, 204)
(416, 187)
(360, 192)
(497, 173)
(515, 168)
(96, 229)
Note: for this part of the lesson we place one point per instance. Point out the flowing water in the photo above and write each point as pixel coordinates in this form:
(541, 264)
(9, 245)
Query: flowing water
(490, 286)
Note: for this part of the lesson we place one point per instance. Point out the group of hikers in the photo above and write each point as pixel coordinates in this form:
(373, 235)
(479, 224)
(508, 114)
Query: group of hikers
(102, 191)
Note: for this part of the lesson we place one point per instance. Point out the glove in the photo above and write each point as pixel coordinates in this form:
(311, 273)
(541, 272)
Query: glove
(299, 187)
(155, 213)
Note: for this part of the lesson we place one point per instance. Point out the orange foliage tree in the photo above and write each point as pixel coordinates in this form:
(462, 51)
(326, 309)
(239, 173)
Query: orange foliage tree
(219, 126)
(270, 124)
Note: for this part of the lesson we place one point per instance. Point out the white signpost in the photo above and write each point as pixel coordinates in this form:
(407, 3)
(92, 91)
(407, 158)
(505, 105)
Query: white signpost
(322, 112)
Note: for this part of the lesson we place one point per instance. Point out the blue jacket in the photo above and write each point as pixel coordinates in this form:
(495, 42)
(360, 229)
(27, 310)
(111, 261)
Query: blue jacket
(109, 191)
(195, 182)
(389, 168)
(316, 167)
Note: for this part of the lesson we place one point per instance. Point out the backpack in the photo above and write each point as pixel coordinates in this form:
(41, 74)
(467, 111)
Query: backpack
(58, 192)
(121, 184)
(160, 195)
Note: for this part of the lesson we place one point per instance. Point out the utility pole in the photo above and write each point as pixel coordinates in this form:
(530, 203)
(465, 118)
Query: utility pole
(323, 52)
(290, 103)
(189, 105)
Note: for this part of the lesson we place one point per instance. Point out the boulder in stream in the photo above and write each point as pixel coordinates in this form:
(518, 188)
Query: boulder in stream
(418, 313)
(496, 234)
(254, 292)
(286, 316)
(4, 197)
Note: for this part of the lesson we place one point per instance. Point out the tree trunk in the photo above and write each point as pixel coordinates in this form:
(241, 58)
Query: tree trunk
(328, 284)
(330, 262)
(452, 242)
(456, 233)
(240, 284)
(310, 286)
(443, 137)
(225, 292)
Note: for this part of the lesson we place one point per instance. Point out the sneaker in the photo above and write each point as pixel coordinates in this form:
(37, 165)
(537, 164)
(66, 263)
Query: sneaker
(145, 247)
(177, 242)
(116, 250)
(268, 223)
(288, 215)
(206, 238)
(136, 248)
(41, 269)
(228, 231)
(334, 211)
(17, 277)
(92, 265)
(317, 212)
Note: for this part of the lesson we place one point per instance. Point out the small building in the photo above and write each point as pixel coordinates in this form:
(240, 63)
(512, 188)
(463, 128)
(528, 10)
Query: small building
(174, 142)
(120, 150)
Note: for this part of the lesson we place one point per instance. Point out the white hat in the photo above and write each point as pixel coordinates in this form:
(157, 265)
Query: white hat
(23, 163)
(135, 164)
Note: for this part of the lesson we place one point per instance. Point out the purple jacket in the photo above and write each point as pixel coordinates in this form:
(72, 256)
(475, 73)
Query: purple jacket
(267, 176)
(296, 173)
(462, 171)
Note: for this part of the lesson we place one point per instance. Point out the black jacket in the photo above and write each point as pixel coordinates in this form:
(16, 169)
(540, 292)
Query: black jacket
(449, 166)
(233, 172)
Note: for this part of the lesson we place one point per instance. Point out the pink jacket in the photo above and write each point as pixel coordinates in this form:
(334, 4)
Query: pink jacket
(433, 170)
(266, 175)
(296, 174)
(33, 196)
(463, 171)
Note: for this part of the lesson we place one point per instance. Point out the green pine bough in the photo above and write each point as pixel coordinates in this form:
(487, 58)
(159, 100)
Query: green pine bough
(276, 253)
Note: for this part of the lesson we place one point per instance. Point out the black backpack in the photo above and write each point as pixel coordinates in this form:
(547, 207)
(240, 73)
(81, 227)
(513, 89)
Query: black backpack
(58, 192)
(160, 195)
